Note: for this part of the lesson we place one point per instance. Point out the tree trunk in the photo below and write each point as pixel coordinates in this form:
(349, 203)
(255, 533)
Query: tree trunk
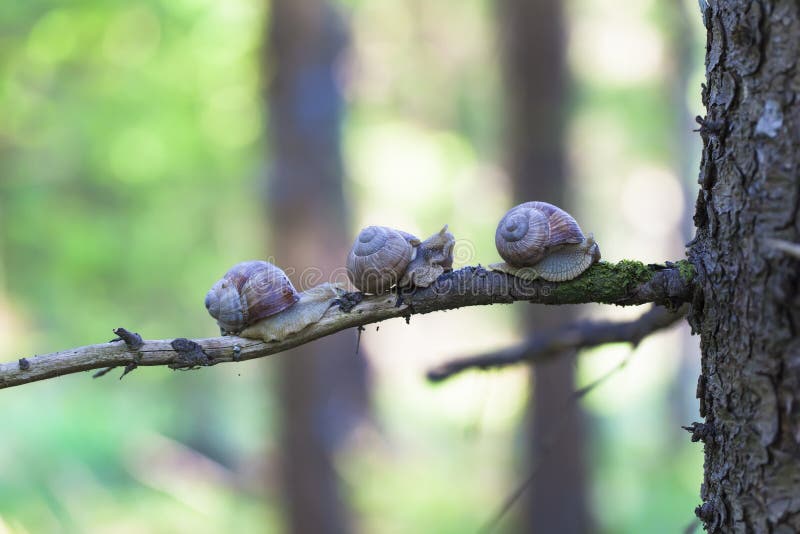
(746, 308)
(535, 81)
(323, 384)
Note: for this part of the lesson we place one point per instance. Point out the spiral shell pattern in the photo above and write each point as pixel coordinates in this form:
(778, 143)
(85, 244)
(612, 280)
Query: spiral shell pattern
(527, 232)
(249, 291)
(379, 258)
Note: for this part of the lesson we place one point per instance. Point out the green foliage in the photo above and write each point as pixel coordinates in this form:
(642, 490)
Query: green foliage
(132, 152)
(131, 144)
(130, 149)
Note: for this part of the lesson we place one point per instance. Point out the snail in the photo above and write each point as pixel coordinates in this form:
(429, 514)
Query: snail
(383, 257)
(539, 240)
(255, 299)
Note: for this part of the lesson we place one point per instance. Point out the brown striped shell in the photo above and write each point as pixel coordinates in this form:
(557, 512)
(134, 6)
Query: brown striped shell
(379, 257)
(249, 291)
(527, 232)
(539, 240)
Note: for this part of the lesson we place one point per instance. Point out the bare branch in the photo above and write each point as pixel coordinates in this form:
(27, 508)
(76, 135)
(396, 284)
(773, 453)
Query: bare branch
(578, 335)
(792, 249)
(625, 283)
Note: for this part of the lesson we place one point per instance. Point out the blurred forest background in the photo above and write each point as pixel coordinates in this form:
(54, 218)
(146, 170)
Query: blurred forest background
(145, 147)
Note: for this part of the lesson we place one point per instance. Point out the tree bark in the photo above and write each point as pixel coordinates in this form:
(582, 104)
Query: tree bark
(533, 49)
(746, 307)
(322, 385)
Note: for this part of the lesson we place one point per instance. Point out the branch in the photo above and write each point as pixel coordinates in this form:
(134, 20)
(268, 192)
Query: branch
(574, 336)
(792, 249)
(625, 283)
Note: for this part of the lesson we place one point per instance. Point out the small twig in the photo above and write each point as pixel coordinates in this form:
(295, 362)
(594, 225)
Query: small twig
(133, 340)
(360, 330)
(585, 390)
(103, 372)
(578, 335)
(700, 431)
(128, 368)
(792, 249)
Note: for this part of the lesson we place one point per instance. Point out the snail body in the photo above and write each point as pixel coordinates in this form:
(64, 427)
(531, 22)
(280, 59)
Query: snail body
(313, 304)
(539, 240)
(383, 257)
(255, 299)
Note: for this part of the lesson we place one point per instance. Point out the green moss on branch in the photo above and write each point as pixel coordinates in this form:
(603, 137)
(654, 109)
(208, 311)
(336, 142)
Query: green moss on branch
(623, 283)
(605, 282)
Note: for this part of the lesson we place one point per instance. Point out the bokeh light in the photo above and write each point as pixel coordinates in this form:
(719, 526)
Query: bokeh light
(133, 156)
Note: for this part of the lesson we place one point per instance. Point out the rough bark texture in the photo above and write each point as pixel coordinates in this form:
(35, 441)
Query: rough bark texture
(747, 309)
(533, 48)
(322, 385)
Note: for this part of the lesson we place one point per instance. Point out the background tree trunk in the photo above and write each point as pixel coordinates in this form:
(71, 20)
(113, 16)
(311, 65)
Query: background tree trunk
(322, 385)
(747, 309)
(533, 50)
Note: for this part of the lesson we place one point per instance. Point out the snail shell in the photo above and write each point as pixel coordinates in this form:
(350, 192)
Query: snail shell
(379, 258)
(249, 291)
(539, 240)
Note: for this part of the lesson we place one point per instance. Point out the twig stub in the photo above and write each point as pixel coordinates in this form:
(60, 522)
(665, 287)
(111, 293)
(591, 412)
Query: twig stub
(700, 431)
(132, 339)
(348, 301)
(190, 355)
